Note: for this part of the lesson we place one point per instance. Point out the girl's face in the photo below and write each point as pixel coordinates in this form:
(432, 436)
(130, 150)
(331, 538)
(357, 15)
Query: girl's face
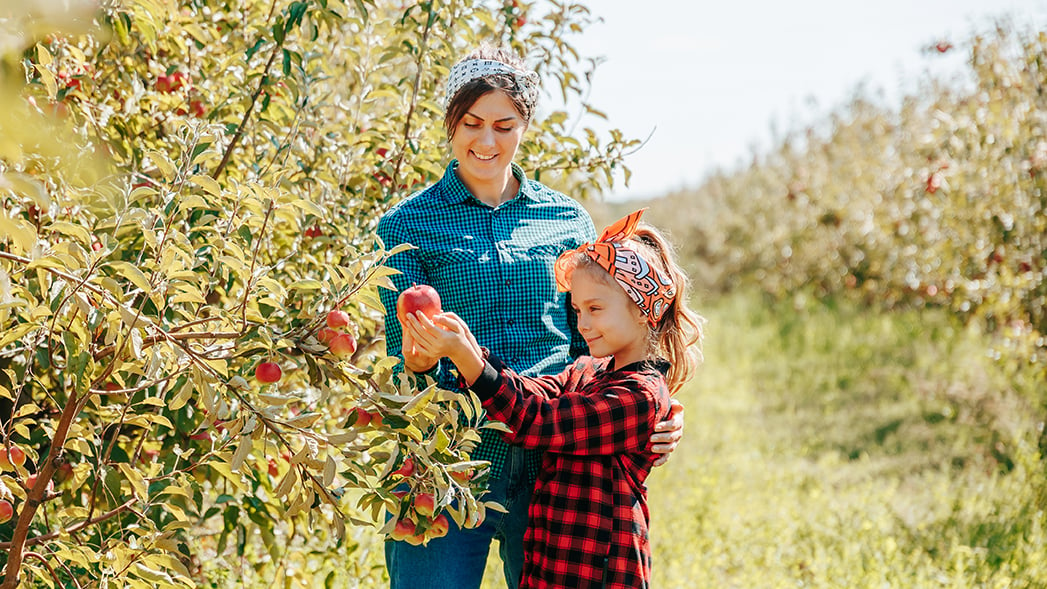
(608, 319)
(486, 139)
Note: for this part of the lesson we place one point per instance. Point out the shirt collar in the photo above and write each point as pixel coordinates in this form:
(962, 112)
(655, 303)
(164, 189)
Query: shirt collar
(455, 191)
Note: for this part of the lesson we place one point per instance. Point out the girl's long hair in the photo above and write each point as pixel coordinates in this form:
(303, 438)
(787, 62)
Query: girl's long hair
(678, 335)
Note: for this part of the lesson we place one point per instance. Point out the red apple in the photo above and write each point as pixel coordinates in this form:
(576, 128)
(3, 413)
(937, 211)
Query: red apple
(463, 477)
(440, 526)
(415, 540)
(7, 511)
(178, 80)
(407, 469)
(336, 319)
(420, 297)
(326, 334)
(424, 504)
(474, 520)
(314, 231)
(362, 417)
(30, 482)
(13, 457)
(273, 470)
(343, 345)
(404, 529)
(934, 181)
(268, 372)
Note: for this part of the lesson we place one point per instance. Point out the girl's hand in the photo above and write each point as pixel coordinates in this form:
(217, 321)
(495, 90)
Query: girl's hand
(447, 335)
(668, 433)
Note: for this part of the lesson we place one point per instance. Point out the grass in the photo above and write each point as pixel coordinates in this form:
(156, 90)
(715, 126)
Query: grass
(832, 447)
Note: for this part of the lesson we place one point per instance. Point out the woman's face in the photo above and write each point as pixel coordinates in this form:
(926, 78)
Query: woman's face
(486, 139)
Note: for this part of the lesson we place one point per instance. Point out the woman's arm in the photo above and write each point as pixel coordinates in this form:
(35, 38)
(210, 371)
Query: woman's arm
(397, 342)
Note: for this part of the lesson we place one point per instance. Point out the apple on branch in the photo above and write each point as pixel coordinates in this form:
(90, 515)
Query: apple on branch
(440, 526)
(424, 504)
(337, 318)
(11, 458)
(404, 529)
(268, 372)
(343, 345)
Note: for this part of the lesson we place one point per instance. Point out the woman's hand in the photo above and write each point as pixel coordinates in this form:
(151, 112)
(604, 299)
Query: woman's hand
(668, 433)
(415, 359)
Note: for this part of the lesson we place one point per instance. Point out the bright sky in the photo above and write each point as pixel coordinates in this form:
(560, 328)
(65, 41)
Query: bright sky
(710, 78)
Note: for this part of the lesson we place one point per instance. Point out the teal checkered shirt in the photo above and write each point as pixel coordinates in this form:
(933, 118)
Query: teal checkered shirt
(493, 267)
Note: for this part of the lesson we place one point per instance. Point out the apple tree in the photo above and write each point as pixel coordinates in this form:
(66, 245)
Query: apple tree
(191, 355)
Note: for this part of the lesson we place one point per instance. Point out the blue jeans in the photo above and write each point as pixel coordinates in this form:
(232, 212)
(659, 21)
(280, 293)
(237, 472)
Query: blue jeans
(458, 560)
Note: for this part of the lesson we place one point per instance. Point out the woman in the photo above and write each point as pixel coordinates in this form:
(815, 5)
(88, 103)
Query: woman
(487, 239)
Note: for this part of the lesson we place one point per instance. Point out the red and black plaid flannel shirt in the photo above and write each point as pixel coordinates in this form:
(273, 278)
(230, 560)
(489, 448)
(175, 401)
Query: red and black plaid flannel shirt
(588, 515)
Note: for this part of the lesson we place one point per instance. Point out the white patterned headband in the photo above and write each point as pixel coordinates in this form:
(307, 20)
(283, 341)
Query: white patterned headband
(468, 70)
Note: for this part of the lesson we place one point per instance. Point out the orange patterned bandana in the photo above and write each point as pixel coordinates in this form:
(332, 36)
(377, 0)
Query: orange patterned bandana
(648, 287)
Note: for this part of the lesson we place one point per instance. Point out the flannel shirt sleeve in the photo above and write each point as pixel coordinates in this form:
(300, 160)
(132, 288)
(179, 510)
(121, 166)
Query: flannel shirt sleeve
(617, 419)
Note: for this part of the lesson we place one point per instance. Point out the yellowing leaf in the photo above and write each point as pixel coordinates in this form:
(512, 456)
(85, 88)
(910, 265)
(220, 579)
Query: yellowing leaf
(226, 470)
(132, 273)
(207, 183)
(20, 231)
(16, 333)
(72, 230)
(134, 477)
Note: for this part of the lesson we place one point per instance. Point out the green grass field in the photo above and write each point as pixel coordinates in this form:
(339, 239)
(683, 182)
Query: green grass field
(830, 447)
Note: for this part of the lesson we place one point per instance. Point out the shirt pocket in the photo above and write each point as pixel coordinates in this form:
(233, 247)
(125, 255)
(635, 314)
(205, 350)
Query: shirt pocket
(449, 270)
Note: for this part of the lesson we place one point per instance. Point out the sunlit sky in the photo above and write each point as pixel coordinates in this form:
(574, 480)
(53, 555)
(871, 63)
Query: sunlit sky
(709, 78)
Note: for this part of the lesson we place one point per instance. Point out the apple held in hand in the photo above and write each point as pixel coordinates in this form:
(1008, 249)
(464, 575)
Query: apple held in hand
(420, 297)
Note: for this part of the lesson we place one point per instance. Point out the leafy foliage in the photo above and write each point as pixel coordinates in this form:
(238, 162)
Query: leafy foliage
(188, 189)
(942, 202)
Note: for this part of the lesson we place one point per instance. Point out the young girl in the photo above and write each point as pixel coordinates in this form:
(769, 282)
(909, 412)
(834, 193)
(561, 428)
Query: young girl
(588, 515)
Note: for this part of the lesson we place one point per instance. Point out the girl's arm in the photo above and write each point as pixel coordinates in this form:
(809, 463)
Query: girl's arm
(613, 420)
(447, 335)
(539, 410)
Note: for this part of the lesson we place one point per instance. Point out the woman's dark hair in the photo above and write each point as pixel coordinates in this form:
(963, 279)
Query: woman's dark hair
(474, 89)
